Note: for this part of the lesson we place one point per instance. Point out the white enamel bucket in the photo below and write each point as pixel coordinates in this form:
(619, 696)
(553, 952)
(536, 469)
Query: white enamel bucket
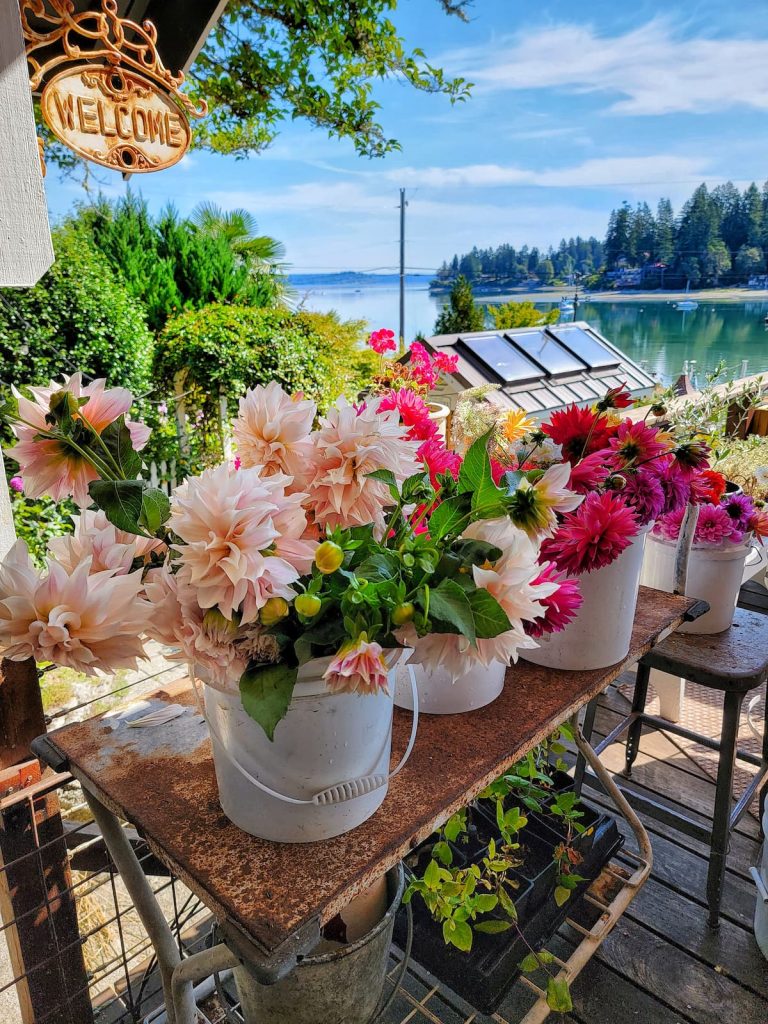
(601, 632)
(440, 694)
(715, 575)
(325, 772)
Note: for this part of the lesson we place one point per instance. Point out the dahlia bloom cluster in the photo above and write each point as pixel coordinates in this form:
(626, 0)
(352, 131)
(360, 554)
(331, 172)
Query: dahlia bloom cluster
(731, 519)
(615, 476)
(339, 537)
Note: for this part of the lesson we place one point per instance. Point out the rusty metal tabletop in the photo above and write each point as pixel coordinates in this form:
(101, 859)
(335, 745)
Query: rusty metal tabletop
(735, 659)
(162, 781)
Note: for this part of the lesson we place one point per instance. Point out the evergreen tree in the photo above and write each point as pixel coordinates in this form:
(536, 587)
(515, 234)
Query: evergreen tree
(664, 242)
(618, 240)
(460, 314)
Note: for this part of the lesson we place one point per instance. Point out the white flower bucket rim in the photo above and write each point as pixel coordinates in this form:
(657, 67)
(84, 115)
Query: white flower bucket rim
(724, 550)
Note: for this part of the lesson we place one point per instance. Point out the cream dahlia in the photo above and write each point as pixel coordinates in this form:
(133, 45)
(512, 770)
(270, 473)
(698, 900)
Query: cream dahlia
(88, 622)
(106, 546)
(272, 431)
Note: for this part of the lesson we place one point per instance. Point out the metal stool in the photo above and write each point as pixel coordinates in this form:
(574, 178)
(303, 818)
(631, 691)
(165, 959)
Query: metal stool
(735, 662)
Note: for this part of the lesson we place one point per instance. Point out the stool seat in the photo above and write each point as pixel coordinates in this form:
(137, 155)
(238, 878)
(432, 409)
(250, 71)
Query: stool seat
(735, 660)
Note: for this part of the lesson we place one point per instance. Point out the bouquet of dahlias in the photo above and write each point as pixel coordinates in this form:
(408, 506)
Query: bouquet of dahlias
(311, 544)
(724, 519)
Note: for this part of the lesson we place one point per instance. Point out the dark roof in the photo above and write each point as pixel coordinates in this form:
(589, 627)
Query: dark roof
(182, 25)
(541, 369)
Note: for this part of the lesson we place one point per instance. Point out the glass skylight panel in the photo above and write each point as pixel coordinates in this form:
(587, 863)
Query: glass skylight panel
(586, 347)
(547, 352)
(501, 357)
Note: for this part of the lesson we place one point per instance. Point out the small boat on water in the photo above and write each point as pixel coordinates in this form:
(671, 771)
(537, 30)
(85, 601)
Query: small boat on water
(686, 304)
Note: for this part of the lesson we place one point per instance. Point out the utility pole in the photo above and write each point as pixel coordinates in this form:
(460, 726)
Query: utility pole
(403, 204)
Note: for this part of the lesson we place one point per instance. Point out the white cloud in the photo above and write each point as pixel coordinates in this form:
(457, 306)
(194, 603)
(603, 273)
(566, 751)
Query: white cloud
(602, 172)
(656, 68)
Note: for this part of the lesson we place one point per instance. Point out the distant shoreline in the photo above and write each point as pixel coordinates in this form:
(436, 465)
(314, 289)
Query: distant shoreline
(554, 295)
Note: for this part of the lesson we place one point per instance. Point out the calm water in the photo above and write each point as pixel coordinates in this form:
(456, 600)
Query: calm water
(652, 331)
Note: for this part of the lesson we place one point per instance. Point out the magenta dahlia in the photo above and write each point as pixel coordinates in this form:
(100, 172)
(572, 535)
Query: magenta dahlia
(559, 608)
(594, 535)
(438, 459)
(643, 492)
(590, 473)
(414, 413)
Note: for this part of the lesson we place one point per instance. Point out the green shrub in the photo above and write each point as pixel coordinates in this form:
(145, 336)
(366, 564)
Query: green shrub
(227, 349)
(79, 316)
(37, 520)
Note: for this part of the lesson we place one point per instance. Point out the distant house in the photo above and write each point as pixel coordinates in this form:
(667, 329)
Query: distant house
(758, 281)
(539, 369)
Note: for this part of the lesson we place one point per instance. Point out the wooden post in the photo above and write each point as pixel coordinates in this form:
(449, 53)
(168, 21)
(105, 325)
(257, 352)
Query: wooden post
(26, 250)
(42, 932)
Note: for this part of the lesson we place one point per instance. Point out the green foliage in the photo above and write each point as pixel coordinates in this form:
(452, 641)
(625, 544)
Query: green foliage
(80, 316)
(172, 264)
(746, 463)
(38, 520)
(227, 349)
(267, 63)
(461, 313)
(506, 267)
(520, 314)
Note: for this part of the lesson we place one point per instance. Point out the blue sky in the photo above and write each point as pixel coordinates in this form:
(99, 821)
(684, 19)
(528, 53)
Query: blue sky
(574, 109)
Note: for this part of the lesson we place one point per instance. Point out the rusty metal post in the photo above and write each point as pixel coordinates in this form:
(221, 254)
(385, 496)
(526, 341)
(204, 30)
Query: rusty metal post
(36, 902)
(21, 710)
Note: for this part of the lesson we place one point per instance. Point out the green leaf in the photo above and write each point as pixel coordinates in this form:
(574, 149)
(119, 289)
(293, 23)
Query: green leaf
(442, 852)
(266, 693)
(486, 902)
(379, 565)
(476, 465)
(493, 927)
(448, 516)
(121, 501)
(432, 875)
(449, 603)
(117, 440)
(386, 476)
(534, 961)
(490, 618)
(155, 509)
(460, 935)
(455, 826)
(559, 995)
(562, 895)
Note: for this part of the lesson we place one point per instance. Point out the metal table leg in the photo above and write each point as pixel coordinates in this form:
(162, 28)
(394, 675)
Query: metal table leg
(180, 1010)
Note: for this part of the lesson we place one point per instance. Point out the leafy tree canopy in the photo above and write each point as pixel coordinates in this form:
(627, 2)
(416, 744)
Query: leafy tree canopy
(460, 313)
(507, 315)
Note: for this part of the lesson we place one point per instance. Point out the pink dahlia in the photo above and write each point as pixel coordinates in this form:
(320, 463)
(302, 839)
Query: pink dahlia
(590, 473)
(740, 508)
(349, 445)
(438, 459)
(559, 607)
(414, 413)
(593, 536)
(714, 526)
(272, 431)
(88, 622)
(675, 484)
(382, 341)
(230, 525)
(97, 539)
(359, 667)
(635, 443)
(643, 492)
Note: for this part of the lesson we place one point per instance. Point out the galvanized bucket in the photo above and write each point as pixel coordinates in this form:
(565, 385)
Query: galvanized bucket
(341, 987)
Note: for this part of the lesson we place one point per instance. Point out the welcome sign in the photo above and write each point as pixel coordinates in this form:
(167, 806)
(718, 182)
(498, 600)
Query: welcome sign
(116, 118)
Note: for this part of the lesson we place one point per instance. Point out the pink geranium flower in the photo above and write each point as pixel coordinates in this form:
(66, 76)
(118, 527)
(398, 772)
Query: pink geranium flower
(272, 431)
(382, 341)
(87, 622)
(230, 524)
(414, 413)
(593, 536)
(423, 370)
(349, 445)
(560, 607)
(359, 667)
(16, 484)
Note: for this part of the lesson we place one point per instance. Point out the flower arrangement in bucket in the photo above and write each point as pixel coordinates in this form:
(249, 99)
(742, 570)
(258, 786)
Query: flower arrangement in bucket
(290, 580)
(626, 473)
(727, 525)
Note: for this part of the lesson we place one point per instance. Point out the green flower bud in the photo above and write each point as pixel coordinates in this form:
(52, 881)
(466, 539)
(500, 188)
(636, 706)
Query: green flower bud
(273, 611)
(308, 605)
(403, 613)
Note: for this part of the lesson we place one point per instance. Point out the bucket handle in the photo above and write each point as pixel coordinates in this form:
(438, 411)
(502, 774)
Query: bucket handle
(342, 791)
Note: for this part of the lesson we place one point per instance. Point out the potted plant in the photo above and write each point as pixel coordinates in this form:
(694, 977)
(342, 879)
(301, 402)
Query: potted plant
(727, 525)
(497, 880)
(627, 473)
(290, 581)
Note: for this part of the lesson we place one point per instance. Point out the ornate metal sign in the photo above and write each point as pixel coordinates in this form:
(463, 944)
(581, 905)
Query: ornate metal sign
(115, 103)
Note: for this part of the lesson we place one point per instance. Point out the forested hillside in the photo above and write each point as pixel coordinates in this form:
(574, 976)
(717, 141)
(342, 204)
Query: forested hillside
(719, 237)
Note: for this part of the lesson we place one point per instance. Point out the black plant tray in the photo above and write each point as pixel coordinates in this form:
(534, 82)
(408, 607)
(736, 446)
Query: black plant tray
(484, 975)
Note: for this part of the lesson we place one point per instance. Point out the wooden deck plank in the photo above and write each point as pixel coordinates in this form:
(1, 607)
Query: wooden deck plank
(679, 979)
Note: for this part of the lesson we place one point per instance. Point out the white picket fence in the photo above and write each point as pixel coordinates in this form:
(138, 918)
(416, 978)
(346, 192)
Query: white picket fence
(163, 475)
